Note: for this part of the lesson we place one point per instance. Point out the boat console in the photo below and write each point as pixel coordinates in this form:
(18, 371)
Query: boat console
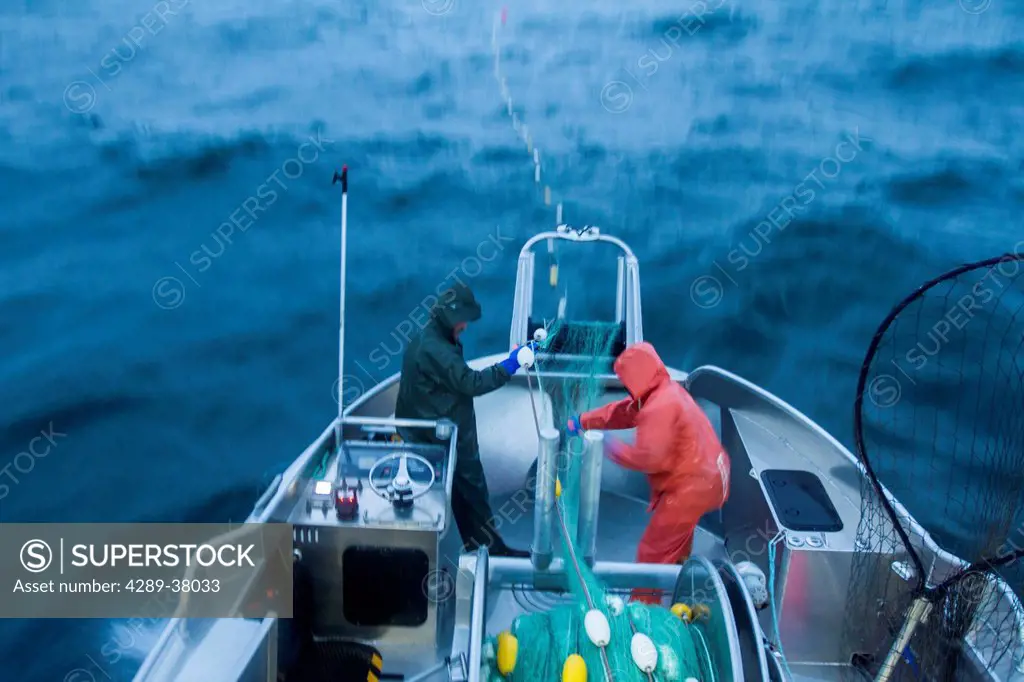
(373, 485)
(371, 540)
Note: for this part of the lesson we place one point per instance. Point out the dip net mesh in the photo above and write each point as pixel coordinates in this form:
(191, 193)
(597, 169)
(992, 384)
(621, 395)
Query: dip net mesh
(546, 639)
(939, 426)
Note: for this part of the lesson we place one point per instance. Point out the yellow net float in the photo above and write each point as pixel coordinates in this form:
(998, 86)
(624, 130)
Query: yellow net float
(508, 651)
(688, 614)
(574, 669)
(683, 612)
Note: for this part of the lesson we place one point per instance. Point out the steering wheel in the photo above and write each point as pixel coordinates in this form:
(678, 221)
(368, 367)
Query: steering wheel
(400, 490)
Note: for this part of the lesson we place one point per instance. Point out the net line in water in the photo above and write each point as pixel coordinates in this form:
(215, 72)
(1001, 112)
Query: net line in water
(554, 644)
(520, 127)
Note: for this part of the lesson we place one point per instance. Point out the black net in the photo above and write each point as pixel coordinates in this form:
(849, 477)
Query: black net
(939, 424)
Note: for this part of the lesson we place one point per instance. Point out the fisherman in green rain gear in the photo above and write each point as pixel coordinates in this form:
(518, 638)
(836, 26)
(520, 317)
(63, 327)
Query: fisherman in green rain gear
(436, 383)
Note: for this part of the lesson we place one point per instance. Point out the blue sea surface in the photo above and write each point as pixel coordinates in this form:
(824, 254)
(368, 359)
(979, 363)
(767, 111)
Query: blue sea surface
(785, 171)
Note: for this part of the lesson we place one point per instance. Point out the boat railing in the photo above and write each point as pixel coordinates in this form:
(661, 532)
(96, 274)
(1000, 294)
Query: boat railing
(477, 613)
(174, 635)
(984, 638)
(627, 286)
(258, 661)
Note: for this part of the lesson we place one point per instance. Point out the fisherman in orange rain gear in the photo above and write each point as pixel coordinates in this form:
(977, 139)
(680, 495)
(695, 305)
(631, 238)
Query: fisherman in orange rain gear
(676, 446)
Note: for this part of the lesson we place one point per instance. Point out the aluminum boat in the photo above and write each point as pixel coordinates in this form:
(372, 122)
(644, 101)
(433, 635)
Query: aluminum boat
(771, 570)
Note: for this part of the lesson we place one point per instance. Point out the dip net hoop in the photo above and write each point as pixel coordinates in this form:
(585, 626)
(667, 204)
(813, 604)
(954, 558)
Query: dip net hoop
(939, 424)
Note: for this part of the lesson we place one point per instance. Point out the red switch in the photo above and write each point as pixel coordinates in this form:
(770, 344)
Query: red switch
(346, 503)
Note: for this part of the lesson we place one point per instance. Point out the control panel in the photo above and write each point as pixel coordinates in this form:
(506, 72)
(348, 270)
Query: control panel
(380, 485)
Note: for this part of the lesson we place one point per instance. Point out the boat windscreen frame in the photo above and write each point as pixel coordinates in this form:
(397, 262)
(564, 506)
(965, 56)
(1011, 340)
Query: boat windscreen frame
(627, 290)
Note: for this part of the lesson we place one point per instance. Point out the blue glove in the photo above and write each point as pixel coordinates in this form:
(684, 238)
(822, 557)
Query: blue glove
(574, 425)
(511, 363)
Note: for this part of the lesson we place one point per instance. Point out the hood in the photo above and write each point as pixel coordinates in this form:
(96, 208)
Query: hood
(641, 370)
(456, 304)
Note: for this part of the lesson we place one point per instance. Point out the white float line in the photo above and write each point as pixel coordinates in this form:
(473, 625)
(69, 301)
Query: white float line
(520, 127)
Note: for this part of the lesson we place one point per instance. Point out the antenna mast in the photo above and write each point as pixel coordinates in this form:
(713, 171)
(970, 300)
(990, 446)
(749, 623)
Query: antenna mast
(343, 179)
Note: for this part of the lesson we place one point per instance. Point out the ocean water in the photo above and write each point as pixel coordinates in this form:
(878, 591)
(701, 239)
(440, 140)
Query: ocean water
(785, 171)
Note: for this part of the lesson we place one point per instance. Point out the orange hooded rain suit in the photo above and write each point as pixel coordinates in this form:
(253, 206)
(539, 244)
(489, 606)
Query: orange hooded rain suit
(676, 446)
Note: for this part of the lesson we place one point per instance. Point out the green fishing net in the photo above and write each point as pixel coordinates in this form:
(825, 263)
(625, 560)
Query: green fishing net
(546, 639)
